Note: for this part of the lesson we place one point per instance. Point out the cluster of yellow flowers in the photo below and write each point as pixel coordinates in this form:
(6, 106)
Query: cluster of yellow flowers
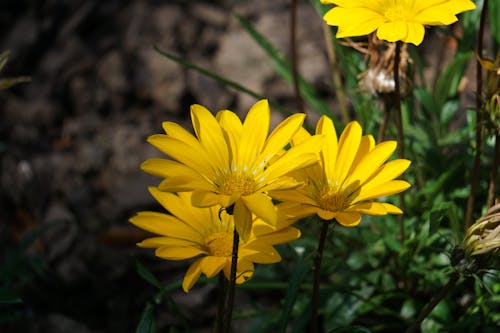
(231, 174)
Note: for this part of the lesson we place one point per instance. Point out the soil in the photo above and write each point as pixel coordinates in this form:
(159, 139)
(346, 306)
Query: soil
(72, 140)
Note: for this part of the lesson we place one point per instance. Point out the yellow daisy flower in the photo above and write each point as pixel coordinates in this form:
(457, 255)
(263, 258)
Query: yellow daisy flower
(350, 174)
(393, 20)
(230, 163)
(207, 233)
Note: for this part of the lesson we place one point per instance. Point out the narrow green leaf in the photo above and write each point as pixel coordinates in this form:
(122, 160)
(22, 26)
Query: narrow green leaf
(219, 78)
(147, 275)
(283, 68)
(301, 269)
(447, 83)
(147, 323)
(494, 10)
(7, 83)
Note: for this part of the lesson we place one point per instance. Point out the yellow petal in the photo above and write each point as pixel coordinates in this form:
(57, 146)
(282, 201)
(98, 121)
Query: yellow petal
(155, 242)
(233, 129)
(351, 23)
(194, 157)
(262, 206)
(299, 136)
(180, 206)
(266, 255)
(178, 132)
(416, 32)
(348, 219)
(389, 188)
(369, 208)
(348, 146)
(255, 131)
(280, 137)
(295, 158)
(326, 214)
(391, 209)
(166, 225)
(242, 220)
(178, 253)
(329, 150)
(282, 236)
(393, 31)
(244, 272)
(192, 274)
(201, 198)
(210, 134)
(387, 172)
(365, 146)
(211, 265)
(371, 162)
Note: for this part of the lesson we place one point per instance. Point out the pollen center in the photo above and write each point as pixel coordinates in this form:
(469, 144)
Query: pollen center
(220, 244)
(237, 183)
(333, 201)
(396, 13)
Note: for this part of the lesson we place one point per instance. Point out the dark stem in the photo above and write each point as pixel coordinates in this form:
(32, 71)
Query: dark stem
(385, 120)
(316, 272)
(479, 126)
(432, 304)
(494, 173)
(294, 55)
(399, 121)
(222, 287)
(232, 284)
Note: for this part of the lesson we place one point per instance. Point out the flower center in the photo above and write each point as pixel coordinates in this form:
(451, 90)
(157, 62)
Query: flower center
(396, 12)
(331, 200)
(237, 183)
(220, 244)
(335, 199)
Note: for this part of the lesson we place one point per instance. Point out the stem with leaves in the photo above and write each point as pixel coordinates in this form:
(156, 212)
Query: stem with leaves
(494, 173)
(316, 272)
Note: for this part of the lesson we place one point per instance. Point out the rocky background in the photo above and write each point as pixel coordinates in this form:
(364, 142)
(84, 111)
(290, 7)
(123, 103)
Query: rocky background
(72, 140)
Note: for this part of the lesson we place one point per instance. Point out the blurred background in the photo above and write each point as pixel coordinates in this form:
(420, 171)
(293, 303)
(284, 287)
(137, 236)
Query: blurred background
(72, 140)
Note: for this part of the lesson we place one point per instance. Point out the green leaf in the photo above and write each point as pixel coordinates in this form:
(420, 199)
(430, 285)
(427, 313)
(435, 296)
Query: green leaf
(147, 275)
(447, 83)
(9, 297)
(302, 267)
(283, 68)
(218, 78)
(494, 10)
(7, 83)
(147, 324)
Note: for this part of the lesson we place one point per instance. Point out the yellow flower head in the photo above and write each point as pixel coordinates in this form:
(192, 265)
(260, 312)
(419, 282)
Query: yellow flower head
(394, 20)
(207, 233)
(230, 163)
(350, 174)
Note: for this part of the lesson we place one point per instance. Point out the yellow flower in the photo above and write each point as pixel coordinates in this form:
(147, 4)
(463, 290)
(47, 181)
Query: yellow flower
(207, 233)
(230, 163)
(350, 174)
(393, 20)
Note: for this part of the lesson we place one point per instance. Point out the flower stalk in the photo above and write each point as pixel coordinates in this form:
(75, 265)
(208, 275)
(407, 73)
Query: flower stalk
(232, 284)
(316, 271)
(434, 302)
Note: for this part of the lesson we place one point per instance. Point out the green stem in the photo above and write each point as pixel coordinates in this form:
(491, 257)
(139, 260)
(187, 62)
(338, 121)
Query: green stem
(294, 55)
(399, 121)
(232, 284)
(432, 304)
(316, 272)
(479, 126)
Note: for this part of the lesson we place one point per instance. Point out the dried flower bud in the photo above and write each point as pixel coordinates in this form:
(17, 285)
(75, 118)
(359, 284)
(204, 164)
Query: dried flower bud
(484, 235)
